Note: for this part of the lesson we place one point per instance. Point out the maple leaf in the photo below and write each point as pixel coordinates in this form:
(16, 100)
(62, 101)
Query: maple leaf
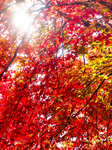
(56, 76)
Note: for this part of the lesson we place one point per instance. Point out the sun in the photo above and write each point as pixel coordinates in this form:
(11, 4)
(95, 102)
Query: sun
(21, 20)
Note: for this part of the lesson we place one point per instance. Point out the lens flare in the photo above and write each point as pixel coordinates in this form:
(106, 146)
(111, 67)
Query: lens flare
(21, 20)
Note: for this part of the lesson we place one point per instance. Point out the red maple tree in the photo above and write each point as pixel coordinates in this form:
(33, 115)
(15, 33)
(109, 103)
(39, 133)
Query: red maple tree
(56, 76)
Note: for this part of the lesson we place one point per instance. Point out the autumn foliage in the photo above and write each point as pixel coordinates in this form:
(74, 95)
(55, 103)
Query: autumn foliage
(56, 76)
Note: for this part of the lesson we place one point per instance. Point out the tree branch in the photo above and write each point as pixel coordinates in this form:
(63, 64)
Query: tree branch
(15, 54)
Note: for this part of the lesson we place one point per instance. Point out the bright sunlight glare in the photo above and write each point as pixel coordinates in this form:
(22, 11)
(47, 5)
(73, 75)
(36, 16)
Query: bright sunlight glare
(22, 20)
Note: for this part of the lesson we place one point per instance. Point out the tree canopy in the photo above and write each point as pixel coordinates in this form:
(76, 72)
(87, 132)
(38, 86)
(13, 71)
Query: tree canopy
(56, 75)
